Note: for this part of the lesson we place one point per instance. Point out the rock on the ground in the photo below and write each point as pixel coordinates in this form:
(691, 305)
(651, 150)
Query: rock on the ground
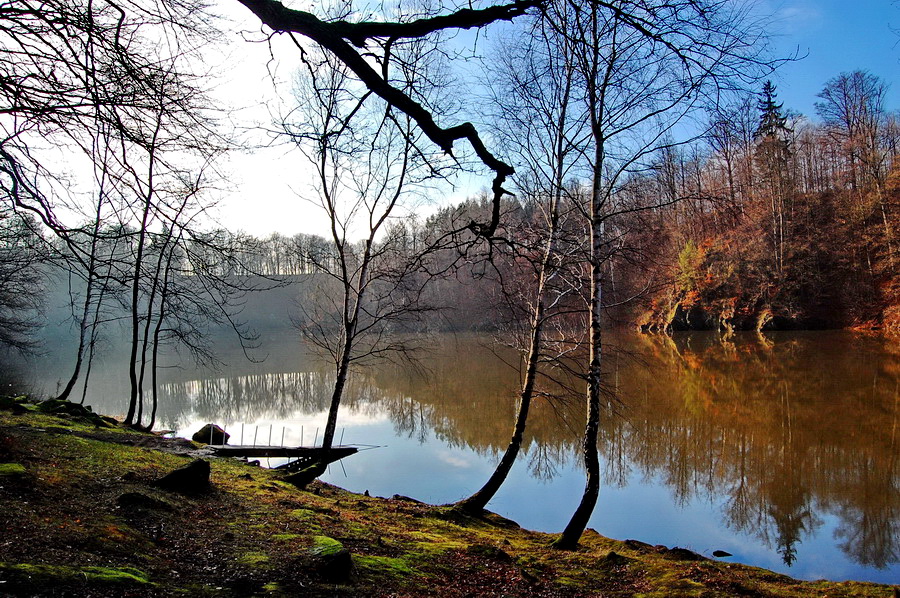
(190, 479)
(682, 554)
(132, 501)
(211, 434)
(332, 561)
(11, 404)
(75, 410)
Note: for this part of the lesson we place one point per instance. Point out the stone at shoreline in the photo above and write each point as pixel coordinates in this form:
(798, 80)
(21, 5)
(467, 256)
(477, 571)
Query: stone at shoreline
(58, 407)
(11, 404)
(190, 479)
(211, 434)
(681, 554)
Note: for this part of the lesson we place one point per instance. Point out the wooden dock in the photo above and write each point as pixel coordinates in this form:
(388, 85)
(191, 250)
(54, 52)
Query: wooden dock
(300, 456)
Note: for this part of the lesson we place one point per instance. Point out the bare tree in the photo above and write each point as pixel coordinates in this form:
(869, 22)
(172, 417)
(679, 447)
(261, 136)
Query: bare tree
(533, 91)
(642, 68)
(731, 136)
(21, 256)
(852, 107)
(367, 171)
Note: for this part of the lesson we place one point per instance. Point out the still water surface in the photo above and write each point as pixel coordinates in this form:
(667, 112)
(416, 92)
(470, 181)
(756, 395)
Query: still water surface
(782, 449)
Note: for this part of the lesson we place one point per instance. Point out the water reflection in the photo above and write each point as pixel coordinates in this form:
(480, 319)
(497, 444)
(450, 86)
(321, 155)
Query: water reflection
(14, 379)
(794, 437)
(787, 430)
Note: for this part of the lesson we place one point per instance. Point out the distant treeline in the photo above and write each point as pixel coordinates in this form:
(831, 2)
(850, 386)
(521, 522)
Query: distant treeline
(769, 220)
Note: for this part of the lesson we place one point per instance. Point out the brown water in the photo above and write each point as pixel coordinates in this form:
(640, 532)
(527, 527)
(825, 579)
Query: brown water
(782, 449)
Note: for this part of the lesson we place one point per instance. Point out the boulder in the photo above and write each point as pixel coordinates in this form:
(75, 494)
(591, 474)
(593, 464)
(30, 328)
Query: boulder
(190, 479)
(13, 405)
(211, 434)
(135, 501)
(682, 554)
(74, 410)
(332, 561)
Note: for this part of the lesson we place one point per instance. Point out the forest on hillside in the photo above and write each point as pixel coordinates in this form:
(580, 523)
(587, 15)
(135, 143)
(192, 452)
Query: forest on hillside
(768, 220)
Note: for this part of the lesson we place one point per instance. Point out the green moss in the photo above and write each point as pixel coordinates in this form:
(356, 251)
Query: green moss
(303, 514)
(8, 469)
(568, 582)
(253, 559)
(436, 548)
(49, 575)
(325, 546)
(384, 568)
(669, 580)
(425, 536)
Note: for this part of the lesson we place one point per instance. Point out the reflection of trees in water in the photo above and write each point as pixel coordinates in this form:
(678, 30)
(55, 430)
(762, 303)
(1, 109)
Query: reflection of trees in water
(466, 397)
(13, 375)
(786, 430)
(257, 396)
(870, 514)
(783, 429)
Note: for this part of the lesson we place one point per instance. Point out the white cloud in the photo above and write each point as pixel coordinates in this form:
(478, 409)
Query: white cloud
(797, 17)
(454, 460)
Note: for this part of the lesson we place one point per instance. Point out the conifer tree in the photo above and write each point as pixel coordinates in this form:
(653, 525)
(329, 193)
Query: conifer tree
(772, 159)
(772, 121)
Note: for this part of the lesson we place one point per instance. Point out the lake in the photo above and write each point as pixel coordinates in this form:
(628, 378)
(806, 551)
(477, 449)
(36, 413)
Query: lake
(782, 449)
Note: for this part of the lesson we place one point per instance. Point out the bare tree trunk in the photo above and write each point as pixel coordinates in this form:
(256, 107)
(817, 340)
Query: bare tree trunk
(88, 292)
(82, 339)
(339, 384)
(598, 75)
(570, 536)
(92, 344)
(476, 503)
(136, 283)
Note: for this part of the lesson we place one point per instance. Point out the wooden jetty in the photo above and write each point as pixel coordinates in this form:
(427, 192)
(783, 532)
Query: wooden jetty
(301, 456)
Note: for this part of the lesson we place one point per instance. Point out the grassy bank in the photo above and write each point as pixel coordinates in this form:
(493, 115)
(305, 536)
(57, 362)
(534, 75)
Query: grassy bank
(81, 515)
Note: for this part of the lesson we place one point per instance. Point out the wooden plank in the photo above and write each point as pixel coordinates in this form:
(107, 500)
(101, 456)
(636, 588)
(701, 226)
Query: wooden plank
(298, 452)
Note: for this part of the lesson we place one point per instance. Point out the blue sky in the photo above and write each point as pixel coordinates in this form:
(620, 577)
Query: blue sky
(836, 36)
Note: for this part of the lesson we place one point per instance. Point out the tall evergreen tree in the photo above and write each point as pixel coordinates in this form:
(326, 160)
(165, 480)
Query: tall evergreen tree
(772, 160)
(772, 121)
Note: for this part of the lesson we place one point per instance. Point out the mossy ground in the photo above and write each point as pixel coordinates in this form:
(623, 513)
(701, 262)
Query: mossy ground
(72, 525)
